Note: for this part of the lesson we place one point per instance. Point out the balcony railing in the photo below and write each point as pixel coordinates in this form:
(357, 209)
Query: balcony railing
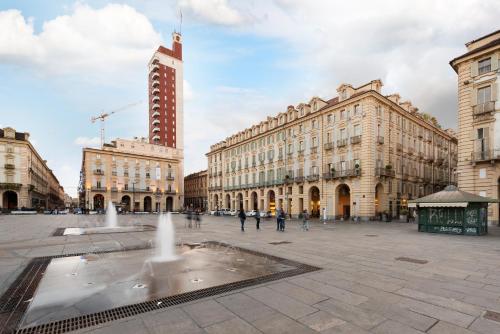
(299, 179)
(98, 188)
(314, 149)
(337, 174)
(156, 83)
(483, 108)
(9, 166)
(155, 67)
(341, 142)
(156, 114)
(114, 189)
(380, 139)
(489, 155)
(355, 139)
(98, 172)
(313, 177)
(155, 75)
(156, 129)
(156, 106)
(156, 121)
(399, 147)
(156, 98)
(156, 91)
(387, 172)
(328, 146)
(300, 152)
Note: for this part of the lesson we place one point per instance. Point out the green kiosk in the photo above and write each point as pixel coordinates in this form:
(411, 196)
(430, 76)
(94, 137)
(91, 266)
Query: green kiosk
(452, 211)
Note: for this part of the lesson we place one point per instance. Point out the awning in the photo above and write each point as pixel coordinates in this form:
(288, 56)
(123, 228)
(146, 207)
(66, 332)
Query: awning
(439, 205)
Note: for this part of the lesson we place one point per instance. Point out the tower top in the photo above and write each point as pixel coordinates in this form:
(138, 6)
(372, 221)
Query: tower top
(176, 37)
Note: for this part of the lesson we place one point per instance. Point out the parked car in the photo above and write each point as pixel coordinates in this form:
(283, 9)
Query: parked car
(233, 213)
(265, 214)
(251, 213)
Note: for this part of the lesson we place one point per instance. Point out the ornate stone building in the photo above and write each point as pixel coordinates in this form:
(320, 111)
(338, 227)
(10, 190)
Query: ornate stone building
(195, 190)
(478, 121)
(25, 179)
(134, 175)
(359, 153)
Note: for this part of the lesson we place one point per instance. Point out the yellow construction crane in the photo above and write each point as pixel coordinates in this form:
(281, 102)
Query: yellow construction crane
(103, 116)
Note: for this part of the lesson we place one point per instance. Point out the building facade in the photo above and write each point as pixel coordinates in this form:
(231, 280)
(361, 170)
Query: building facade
(133, 174)
(358, 154)
(166, 95)
(479, 120)
(25, 179)
(196, 191)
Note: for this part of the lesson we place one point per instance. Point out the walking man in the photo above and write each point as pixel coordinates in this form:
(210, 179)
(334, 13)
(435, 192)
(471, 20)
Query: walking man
(242, 217)
(305, 221)
(257, 218)
(282, 221)
(278, 219)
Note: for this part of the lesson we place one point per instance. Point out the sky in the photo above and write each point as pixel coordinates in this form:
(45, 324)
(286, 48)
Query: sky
(62, 62)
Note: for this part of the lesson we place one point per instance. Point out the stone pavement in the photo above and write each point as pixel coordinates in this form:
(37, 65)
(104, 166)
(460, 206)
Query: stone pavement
(361, 289)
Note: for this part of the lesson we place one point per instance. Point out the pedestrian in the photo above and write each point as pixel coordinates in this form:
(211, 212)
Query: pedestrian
(278, 217)
(305, 221)
(257, 219)
(197, 219)
(282, 221)
(324, 215)
(242, 217)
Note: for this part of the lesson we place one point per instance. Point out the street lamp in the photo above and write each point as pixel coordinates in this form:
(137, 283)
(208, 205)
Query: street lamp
(133, 197)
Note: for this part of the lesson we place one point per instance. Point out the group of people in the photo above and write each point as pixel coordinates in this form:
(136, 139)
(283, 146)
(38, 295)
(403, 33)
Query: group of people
(280, 220)
(193, 218)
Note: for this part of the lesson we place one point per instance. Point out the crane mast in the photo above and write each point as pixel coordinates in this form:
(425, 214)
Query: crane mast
(102, 117)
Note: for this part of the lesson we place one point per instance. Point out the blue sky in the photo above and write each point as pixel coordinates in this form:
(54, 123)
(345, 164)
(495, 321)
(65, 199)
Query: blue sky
(63, 61)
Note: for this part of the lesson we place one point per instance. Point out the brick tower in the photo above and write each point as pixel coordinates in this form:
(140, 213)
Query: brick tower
(166, 95)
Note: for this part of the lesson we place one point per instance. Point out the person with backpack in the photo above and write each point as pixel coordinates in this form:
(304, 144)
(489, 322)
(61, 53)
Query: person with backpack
(305, 221)
(242, 217)
(257, 219)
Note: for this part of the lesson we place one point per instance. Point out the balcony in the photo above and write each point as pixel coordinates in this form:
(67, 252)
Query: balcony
(170, 178)
(98, 172)
(155, 76)
(155, 67)
(10, 186)
(9, 166)
(156, 137)
(421, 155)
(156, 91)
(156, 106)
(313, 178)
(328, 146)
(156, 114)
(156, 98)
(355, 139)
(386, 172)
(399, 147)
(98, 189)
(380, 140)
(405, 176)
(439, 161)
(341, 142)
(156, 129)
(156, 83)
(491, 155)
(155, 122)
(300, 153)
(114, 189)
(299, 179)
(338, 174)
(280, 158)
(314, 149)
(219, 173)
(484, 108)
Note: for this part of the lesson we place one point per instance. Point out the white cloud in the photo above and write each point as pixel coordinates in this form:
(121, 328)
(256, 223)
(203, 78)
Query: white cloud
(88, 142)
(213, 11)
(108, 40)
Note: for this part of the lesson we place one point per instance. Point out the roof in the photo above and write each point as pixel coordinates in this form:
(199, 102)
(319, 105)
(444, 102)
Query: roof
(451, 195)
(491, 44)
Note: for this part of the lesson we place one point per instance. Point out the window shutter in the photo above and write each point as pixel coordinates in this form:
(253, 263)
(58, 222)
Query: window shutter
(473, 69)
(473, 98)
(494, 62)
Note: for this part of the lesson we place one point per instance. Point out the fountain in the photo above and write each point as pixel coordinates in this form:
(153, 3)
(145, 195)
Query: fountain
(111, 218)
(165, 239)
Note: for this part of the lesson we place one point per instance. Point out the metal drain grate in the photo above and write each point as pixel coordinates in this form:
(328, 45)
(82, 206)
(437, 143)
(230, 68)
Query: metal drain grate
(492, 315)
(371, 235)
(409, 259)
(280, 242)
(59, 232)
(13, 307)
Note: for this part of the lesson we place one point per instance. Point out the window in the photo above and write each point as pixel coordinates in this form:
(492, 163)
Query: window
(484, 66)
(357, 109)
(484, 95)
(357, 130)
(342, 112)
(329, 119)
(314, 142)
(313, 124)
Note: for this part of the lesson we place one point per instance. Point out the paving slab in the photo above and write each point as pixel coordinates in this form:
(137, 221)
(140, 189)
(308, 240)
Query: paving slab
(394, 327)
(235, 325)
(280, 324)
(245, 307)
(320, 321)
(208, 312)
(443, 327)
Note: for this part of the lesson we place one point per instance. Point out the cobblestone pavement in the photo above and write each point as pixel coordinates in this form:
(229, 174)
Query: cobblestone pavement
(362, 288)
